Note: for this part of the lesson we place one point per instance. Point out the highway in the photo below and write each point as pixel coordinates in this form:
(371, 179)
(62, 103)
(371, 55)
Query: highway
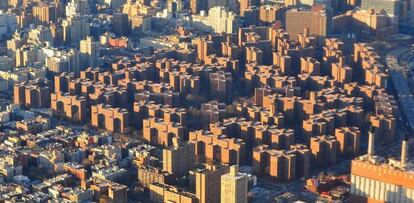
(405, 97)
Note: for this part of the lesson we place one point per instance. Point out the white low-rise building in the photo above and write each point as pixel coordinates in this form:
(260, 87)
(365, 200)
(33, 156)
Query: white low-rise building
(218, 20)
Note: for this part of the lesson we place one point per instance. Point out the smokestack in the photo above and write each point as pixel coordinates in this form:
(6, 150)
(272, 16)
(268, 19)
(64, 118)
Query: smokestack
(371, 143)
(404, 150)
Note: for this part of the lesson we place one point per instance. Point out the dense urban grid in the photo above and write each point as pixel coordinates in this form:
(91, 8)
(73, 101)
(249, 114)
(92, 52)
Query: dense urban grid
(206, 101)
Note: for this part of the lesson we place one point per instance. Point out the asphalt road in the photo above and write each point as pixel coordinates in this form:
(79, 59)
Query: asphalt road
(405, 97)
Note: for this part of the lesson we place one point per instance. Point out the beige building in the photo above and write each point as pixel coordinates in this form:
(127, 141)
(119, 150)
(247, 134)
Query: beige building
(26, 55)
(40, 35)
(207, 182)
(90, 53)
(77, 7)
(316, 20)
(218, 20)
(391, 7)
(75, 29)
(44, 13)
(179, 159)
(161, 193)
(234, 186)
(63, 61)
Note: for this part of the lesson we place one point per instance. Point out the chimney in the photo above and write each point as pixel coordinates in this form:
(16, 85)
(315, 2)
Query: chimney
(404, 150)
(371, 143)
